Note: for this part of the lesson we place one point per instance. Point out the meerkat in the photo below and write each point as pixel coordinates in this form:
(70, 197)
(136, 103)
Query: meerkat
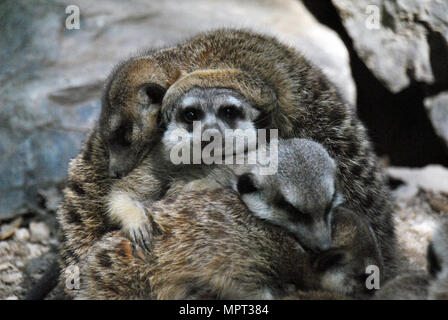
(429, 284)
(300, 196)
(410, 286)
(208, 245)
(299, 102)
(129, 123)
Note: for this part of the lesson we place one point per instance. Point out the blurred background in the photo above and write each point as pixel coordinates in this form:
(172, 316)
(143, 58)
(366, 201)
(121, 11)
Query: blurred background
(389, 59)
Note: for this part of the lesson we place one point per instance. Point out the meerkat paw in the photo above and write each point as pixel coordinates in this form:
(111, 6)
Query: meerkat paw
(131, 215)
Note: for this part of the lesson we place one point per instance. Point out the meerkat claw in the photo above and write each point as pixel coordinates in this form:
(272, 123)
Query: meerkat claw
(142, 237)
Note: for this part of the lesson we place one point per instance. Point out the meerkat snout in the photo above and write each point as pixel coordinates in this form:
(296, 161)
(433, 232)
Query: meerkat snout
(320, 237)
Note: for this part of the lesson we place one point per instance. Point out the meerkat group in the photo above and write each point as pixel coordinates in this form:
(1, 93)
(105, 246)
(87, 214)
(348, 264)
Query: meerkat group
(209, 245)
(239, 79)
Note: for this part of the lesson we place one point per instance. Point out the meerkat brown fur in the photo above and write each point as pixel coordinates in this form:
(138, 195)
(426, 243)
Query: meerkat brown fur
(207, 245)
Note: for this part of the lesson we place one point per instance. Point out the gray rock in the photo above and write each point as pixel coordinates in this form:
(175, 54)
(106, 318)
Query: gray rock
(10, 274)
(8, 229)
(52, 198)
(432, 178)
(22, 235)
(405, 193)
(437, 107)
(39, 231)
(22, 262)
(409, 43)
(36, 267)
(51, 77)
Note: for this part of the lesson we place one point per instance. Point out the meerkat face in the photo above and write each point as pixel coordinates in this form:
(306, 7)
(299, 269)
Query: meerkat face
(129, 126)
(208, 113)
(300, 197)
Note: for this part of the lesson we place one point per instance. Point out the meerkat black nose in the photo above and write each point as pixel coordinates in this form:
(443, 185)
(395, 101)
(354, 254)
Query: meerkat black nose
(319, 238)
(115, 171)
(324, 244)
(319, 244)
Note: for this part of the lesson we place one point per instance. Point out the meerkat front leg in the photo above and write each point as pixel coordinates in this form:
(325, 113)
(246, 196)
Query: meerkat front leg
(132, 217)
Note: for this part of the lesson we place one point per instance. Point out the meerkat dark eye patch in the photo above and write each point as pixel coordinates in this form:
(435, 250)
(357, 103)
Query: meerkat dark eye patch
(121, 135)
(155, 93)
(263, 121)
(122, 155)
(245, 184)
(230, 112)
(294, 214)
(191, 114)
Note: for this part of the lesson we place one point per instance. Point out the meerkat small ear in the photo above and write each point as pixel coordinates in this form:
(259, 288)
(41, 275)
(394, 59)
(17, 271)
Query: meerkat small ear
(264, 120)
(245, 184)
(154, 93)
(434, 265)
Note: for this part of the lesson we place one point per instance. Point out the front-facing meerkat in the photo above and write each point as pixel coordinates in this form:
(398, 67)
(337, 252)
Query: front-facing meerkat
(298, 101)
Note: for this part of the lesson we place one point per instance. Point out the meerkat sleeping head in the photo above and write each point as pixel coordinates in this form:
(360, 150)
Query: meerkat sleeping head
(300, 197)
(129, 121)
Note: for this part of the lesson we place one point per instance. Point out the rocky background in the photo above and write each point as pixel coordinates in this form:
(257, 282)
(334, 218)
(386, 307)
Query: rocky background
(389, 58)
